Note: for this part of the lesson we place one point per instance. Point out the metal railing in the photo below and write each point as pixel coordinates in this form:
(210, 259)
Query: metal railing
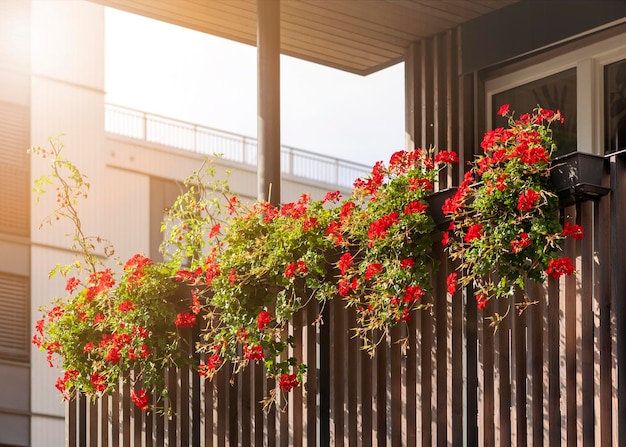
(230, 146)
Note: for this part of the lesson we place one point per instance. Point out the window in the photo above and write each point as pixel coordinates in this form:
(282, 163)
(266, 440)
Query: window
(615, 106)
(587, 83)
(556, 92)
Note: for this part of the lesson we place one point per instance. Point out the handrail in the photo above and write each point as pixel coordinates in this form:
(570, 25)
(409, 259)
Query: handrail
(239, 148)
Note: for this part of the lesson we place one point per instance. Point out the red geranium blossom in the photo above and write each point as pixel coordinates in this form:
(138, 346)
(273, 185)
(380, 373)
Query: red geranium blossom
(345, 262)
(372, 270)
(474, 232)
(575, 231)
(185, 319)
(253, 352)
(287, 382)
(558, 267)
(518, 245)
(451, 283)
(263, 319)
(140, 398)
(504, 109)
(448, 157)
(527, 200)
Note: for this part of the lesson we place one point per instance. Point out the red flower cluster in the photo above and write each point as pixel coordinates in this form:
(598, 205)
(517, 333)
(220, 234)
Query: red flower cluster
(451, 283)
(373, 270)
(448, 157)
(474, 232)
(412, 293)
(378, 228)
(263, 319)
(345, 262)
(253, 352)
(185, 319)
(558, 267)
(140, 398)
(345, 286)
(527, 200)
(287, 382)
(415, 207)
(208, 369)
(518, 245)
(574, 231)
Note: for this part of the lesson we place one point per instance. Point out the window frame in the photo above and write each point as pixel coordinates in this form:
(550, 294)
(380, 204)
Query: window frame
(589, 62)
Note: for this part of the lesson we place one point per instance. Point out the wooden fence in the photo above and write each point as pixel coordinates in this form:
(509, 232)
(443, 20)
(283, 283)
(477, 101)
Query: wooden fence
(547, 377)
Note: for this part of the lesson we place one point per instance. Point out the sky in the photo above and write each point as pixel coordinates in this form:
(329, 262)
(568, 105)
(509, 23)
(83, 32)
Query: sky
(184, 74)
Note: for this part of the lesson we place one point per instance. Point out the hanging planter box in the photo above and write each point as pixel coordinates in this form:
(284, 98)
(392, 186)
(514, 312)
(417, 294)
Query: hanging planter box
(435, 202)
(578, 177)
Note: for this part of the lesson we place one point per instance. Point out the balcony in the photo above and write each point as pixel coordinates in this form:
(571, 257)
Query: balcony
(297, 163)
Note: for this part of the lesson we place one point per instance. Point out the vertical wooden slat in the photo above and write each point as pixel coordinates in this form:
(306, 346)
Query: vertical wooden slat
(395, 386)
(568, 384)
(380, 395)
(427, 104)
(588, 385)
(554, 391)
(602, 321)
(618, 305)
(311, 390)
(337, 368)
(440, 348)
(487, 417)
(520, 373)
(536, 328)
(426, 377)
(502, 405)
(365, 400)
(351, 375)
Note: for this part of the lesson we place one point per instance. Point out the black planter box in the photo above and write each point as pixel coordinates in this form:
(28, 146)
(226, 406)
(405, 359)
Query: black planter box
(578, 177)
(435, 202)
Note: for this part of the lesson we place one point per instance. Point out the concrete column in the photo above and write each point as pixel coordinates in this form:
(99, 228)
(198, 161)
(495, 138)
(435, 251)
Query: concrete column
(268, 50)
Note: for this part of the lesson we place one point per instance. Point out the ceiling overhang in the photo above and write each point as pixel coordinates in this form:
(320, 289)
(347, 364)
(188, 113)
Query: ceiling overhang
(357, 36)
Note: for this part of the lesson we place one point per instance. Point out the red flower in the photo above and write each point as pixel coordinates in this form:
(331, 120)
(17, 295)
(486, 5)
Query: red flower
(232, 277)
(302, 268)
(406, 263)
(448, 157)
(88, 347)
(474, 232)
(333, 196)
(253, 352)
(287, 382)
(71, 284)
(98, 318)
(445, 238)
(97, 380)
(373, 269)
(346, 210)
(215, 229)
(481, 301)
(345, 262)
(145, 352)
(126, 306)
(518, 245)
(185, 319)
(378, 228)
(412, 293)
(263, 319)
(113, 355)
(213, 362)
(575, 231)
(527, 200)
(415, 207)
(504, 109)
(334, 230)
(140, 398)
(451, 283)
(290, 270)
(558, 267)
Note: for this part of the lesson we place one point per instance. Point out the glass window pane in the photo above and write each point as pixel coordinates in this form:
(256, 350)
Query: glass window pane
(556, 92)
(615, 106)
